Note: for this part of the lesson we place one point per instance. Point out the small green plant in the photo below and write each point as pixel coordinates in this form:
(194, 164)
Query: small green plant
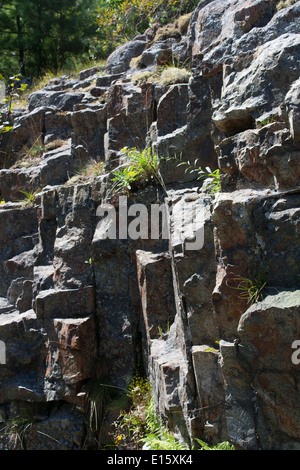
(140, 425)
(37, 149)
(213, 176)
(266, 121)
(99, 395)
(19, 425)
(213, 349)
(29, 197)
(221, 446)
(161, 331)
(13, 93)
(125, 177)
(140, 167)
(252, 290)
(158, 437)
(131, 425)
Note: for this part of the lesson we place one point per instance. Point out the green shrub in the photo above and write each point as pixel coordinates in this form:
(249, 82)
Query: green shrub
(158, 437)
(141, 168)
(140, 425)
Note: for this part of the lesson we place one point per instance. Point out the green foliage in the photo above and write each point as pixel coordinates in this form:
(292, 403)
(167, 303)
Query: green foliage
(131, 425)
(140, 167)
(18, 426)
(140, 424)
(14, 91)
(213, 176)
(121, 20)
(37, 149)
(124, 177)
(29, 197)
(158, 437)
(266, 121)
(221, 446)
(99, 397)
(43, 34)
(139, 391)
(252, 290)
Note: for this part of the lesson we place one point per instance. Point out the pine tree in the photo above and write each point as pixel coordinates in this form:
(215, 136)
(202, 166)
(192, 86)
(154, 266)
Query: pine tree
(40, 35)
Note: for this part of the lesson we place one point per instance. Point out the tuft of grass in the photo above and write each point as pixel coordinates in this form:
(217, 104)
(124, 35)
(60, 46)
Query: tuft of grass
(139, 78)
(135, 61)
(55, 144)
(173, 75)
(18, 426)
(87, 172)
(140, 168)
(99, 394)
(182, 23)
(285, 4)
(29, 197)
(252, 290)
(164, 76)
(221, 446)
(212, 176)
(167, 32)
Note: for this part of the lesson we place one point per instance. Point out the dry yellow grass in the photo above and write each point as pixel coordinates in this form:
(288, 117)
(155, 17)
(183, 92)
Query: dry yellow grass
(173, 75)
(286, 3)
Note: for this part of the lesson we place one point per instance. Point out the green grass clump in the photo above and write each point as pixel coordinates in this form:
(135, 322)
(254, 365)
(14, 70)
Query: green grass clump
(29, 197)
(252, 290)
(140, 168)
(221, 446)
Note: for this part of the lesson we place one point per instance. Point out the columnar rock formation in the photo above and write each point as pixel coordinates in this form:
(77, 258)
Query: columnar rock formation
(75, 306)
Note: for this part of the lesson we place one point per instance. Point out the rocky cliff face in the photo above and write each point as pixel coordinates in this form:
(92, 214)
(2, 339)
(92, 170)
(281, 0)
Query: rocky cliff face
(75, 306)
